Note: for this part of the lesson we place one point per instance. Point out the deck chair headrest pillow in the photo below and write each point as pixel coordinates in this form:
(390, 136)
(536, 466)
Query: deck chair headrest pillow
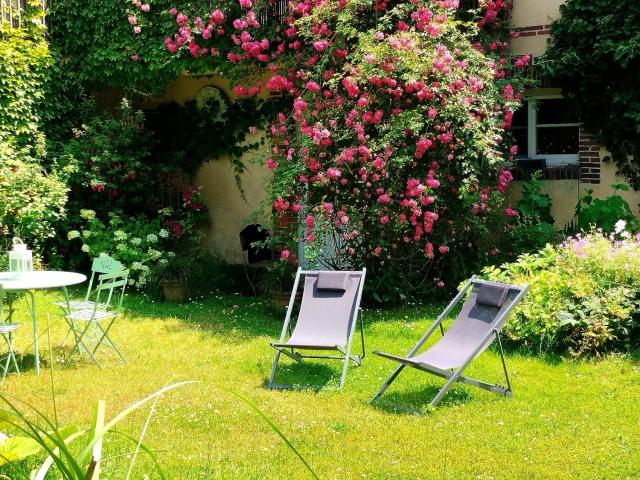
(491, 295)
(333, 281)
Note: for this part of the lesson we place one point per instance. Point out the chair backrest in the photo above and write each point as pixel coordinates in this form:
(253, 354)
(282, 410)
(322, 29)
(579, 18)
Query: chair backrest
(100, 265)
(329, 304)
(485, 310)
(109, 291)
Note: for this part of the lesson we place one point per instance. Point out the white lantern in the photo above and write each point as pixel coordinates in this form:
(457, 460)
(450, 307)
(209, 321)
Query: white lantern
(20, 259)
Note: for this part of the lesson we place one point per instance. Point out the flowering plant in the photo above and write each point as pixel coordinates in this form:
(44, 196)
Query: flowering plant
(584, 294)
(141, 243)
(393, 144)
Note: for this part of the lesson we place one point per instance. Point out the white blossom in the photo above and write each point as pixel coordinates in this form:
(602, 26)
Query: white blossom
(85, 248)
(73, 234)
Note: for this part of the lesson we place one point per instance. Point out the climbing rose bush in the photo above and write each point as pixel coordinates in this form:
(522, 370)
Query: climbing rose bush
(391, 151)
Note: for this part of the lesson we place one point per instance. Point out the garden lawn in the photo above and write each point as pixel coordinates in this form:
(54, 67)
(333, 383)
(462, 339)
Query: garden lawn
(567, 419)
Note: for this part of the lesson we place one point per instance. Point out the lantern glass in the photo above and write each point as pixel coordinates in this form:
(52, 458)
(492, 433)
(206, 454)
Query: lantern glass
(20, 261)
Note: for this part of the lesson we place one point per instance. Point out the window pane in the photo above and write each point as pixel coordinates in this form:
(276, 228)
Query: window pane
(557, 140)
(556, 110)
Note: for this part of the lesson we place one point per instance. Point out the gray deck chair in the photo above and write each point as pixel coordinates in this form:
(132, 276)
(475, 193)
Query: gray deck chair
(478, 324)
(326, 321)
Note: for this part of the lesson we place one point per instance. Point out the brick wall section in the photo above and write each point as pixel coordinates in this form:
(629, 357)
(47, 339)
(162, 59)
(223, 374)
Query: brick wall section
(534, 30)
(589, 158)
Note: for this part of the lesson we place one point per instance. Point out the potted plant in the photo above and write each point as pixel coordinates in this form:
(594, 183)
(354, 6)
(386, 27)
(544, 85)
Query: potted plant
(173, 277)
(276, 283)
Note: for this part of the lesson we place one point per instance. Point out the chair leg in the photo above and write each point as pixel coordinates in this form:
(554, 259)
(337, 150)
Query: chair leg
(504, 365)
(445, 388)
(105, 337)
(386, 384)
(80, 342)
(272, 376)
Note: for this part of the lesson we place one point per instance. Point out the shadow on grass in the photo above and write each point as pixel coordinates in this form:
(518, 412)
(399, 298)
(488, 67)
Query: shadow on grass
(416, 401)
(308, 375)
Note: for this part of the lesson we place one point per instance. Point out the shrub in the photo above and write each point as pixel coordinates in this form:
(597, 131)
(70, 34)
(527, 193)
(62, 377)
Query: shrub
(108, 161)
(32, 200)
(140, 242)
(602, 213)
(584, 295)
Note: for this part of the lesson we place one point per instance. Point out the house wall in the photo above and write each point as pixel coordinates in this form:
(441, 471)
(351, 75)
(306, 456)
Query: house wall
(228, 210)
(532, 18)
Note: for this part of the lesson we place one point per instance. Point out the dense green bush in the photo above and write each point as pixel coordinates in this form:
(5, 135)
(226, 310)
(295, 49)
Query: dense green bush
(584, 297)
(32, 201)
(602, 213)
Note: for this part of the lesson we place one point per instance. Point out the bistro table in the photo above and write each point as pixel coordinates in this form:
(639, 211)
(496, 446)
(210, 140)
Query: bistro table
(29, 282)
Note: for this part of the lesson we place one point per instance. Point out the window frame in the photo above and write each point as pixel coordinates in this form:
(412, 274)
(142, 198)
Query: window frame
(532, 134)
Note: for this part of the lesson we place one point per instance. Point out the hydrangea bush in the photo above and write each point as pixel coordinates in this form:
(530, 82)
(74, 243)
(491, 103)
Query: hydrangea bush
(584, 294)
(393, 144)
(142, 243)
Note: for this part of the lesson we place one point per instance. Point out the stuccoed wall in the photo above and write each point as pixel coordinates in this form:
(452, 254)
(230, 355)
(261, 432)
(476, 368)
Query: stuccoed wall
(229, 212)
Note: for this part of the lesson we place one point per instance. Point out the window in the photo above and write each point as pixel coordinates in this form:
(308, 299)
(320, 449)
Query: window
(547, 128)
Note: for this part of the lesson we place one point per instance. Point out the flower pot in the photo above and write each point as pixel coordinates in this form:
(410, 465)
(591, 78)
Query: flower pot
(175, 291)
(281, 299)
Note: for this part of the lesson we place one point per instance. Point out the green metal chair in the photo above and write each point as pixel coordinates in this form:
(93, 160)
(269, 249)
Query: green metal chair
(7, 331)
(90, 326)
(100, 265)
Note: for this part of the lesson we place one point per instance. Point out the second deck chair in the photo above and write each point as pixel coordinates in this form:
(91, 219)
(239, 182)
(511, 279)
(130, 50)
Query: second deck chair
(326, 321)
(478, 324)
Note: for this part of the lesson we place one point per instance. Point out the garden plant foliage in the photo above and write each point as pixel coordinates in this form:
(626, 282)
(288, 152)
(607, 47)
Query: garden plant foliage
(584, 295)
(392, 146)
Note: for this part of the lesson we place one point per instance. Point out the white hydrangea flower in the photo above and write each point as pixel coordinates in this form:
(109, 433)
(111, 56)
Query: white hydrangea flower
(136, 241)
(121, 246)
(73, 234)
(119, 235)
(171, 254)
(163, 233)
(152, 238)
(136, 266)
(86, 233)
(620, 226)
(163, 261)
(87, 214)
(85, 248)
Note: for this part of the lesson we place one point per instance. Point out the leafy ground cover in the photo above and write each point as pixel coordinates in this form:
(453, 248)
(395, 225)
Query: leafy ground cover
(578, 419)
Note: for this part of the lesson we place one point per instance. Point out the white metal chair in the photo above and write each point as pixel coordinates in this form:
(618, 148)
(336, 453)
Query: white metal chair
(100, 265)
(91, 325)
(7, 331)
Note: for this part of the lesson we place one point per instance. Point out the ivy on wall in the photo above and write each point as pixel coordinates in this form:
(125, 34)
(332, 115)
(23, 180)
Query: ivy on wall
(594, 55)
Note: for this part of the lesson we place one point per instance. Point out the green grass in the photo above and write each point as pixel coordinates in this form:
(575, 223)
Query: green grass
(567, 419)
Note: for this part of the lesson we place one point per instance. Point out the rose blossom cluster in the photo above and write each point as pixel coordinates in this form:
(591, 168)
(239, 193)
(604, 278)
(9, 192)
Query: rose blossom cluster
(395, 137)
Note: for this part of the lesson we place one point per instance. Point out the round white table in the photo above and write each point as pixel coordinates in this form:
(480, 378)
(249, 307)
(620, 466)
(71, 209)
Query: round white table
(38, 280)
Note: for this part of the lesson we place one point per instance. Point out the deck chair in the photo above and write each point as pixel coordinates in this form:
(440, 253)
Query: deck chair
(90, 326)
(100, 265)
(7, 332)
(326, 321)
(478, 324)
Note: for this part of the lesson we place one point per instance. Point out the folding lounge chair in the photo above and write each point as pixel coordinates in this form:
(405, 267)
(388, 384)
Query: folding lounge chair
(477, 325)
(326, 321)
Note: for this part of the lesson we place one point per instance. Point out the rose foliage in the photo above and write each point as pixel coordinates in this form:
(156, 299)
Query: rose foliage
(392, 148)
